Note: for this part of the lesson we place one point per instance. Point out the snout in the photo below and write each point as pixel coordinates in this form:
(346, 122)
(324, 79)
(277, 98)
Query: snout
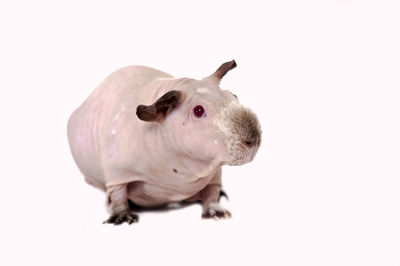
(243, 132)
(252, 135)
(249, 130)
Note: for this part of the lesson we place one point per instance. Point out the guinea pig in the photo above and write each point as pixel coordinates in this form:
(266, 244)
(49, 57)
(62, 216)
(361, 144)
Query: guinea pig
(147, 138)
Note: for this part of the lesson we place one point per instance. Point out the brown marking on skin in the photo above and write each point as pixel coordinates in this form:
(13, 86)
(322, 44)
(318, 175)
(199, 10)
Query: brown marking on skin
(176, 171)
(158, 110)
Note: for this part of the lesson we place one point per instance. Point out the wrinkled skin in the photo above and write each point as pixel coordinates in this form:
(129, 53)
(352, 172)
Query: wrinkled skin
(161, 152)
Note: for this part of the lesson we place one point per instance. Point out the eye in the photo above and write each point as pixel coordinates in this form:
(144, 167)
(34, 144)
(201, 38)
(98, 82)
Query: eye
(199, 111)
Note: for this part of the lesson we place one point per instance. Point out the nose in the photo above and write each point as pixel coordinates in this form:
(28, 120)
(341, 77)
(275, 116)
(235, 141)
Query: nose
(249, 143)
(254, 139)
(251, 131)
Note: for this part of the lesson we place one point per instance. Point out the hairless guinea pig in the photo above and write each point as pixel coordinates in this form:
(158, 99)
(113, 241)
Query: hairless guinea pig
(146, 137)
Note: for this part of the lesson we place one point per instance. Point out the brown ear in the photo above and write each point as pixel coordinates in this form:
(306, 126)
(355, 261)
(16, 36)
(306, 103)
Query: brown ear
(222, 70)
(158, 110)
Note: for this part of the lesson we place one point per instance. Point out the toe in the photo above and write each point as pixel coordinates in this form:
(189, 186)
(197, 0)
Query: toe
(210, 213)
(216, 213)
(131, 218)
(111, 219)
(220, 213)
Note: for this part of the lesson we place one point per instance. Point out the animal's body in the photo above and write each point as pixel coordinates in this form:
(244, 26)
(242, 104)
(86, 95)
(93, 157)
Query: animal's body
(145, 136)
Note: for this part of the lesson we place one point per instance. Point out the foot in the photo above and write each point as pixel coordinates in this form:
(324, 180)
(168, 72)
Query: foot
(216, 212)
(119, 218)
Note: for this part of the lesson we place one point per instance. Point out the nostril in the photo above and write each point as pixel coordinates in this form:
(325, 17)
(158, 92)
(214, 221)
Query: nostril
(248, 143)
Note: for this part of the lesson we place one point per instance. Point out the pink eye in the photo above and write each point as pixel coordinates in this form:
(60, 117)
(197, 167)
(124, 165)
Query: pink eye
(199, 111)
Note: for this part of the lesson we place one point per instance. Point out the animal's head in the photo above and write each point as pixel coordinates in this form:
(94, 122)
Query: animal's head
(203, 121)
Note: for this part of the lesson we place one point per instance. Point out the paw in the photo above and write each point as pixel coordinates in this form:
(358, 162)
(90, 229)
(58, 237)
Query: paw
(121, 217)
(216, 212)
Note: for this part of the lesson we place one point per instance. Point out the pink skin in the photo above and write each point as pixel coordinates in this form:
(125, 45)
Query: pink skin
(153, 163)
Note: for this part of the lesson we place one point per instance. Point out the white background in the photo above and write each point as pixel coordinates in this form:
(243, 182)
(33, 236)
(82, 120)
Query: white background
(323, 77)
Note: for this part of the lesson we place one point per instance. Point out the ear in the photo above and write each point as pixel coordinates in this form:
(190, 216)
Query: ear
(222, 70)
(158, 110)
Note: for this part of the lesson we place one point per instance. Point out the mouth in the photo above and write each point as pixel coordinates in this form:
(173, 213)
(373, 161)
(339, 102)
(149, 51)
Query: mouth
(240, 154)
(238, 162)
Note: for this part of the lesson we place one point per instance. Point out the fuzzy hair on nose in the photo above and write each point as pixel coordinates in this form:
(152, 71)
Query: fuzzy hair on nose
(242, 129)
(247, 124)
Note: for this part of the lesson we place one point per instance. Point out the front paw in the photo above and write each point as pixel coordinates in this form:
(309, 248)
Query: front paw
(121, 217)
(216, 212)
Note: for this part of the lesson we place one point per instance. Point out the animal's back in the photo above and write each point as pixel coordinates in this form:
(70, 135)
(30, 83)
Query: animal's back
(89, 121)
